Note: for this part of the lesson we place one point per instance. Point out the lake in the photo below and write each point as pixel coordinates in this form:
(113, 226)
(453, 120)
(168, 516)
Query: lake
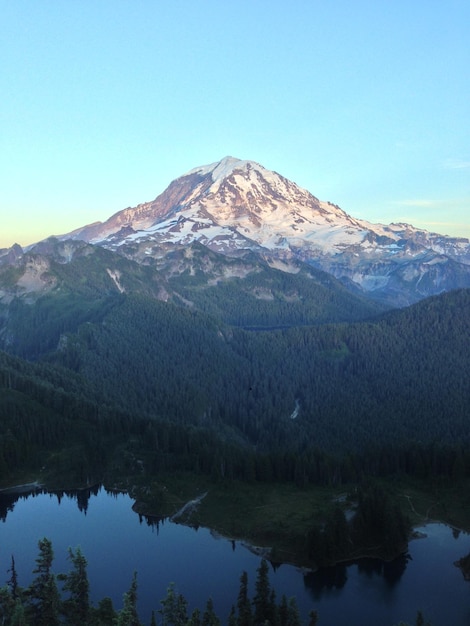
(116, 541)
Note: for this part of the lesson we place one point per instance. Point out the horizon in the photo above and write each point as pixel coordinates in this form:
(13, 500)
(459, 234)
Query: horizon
(365, 106)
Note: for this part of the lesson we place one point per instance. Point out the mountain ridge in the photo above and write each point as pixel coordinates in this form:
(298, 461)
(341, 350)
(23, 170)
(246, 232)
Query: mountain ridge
(235, 207)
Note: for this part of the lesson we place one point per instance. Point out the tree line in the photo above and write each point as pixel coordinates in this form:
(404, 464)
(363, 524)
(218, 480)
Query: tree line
(55, 599)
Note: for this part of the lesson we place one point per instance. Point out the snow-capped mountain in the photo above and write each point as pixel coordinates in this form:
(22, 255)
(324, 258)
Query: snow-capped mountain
(228, 206)
(235, 206)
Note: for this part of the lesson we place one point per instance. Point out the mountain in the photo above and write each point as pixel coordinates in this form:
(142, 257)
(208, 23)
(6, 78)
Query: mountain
(157, 338)
(234, 207)
(240, 328)
(57, 286)
(240, 210)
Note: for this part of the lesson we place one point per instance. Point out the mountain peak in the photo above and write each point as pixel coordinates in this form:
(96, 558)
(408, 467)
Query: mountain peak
(224, 168)
(235, 206)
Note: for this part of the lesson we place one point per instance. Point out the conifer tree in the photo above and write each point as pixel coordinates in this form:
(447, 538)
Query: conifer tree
(7, 605)
(44, 600)
(245, 616)
(232, 618)
(77, 607)
(273, 614)
(13, 580)
(128, 614)
(209, 618)
(195, 619)
(293, 616)
(105, 613)
(261, 600)
(283, 611)
(10, 596)
(174, 608)
(18, 617)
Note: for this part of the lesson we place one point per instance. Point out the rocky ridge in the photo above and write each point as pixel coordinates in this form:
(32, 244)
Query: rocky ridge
(236, 207)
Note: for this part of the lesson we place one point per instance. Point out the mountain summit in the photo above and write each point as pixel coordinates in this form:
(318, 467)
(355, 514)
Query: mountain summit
(240, 209)
(234, 206)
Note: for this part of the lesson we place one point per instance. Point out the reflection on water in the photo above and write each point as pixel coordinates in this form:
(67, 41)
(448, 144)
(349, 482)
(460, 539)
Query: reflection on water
(117, 541)
(326, 579)
(330, 578)
(9, 497)
(391, 571)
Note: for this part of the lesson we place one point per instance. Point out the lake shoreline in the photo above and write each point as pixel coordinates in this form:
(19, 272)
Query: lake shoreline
(168, 549)
(24, 488)
(183, 513)
(141, 508)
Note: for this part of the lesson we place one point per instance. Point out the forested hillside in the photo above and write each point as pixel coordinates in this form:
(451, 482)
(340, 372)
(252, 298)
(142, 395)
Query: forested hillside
(400, 378)
(61, 285)
(377, 397)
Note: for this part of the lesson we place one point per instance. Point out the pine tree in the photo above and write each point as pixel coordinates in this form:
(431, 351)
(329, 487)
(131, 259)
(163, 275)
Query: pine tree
(261, 600)
(128, 614)
(105, 614)
(13, 580)
(195, 619)
(7, 605)
(18, 617)
(43, 594)
(77, 607)
(232, 618)
(209, 618)
(293, 616)
(174, 608)
(273, 615)
(283, 611)
(245, 617)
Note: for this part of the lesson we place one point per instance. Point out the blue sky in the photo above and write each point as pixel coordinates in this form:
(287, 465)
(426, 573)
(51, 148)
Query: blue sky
(366, 103)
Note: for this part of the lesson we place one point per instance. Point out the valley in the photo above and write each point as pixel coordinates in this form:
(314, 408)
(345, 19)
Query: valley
(218, 355)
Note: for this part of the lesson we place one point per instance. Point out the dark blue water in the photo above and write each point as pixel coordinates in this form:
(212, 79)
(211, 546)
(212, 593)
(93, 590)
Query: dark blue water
(116, 542)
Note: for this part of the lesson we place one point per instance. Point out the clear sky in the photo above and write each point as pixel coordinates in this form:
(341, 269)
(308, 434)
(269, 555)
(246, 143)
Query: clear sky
(366, 103)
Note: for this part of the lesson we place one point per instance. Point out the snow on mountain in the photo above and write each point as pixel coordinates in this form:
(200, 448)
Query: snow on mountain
(221, 169)
(233, 206)
(259, 204)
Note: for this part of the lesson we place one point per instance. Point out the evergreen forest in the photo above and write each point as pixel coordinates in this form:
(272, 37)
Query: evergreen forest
(261, 380)
(324, 403)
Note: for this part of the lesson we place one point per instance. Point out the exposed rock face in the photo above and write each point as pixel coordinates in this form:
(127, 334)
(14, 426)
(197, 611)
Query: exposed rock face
(8, 256)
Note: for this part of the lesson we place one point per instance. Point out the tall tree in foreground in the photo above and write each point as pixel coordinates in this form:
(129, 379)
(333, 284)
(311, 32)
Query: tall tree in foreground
(13, 580)
(245, 617)
(104, 615)
(261, 600)
(128, 614)
(174, 609)
(44, 599)
(76, 608)
(209, 618)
